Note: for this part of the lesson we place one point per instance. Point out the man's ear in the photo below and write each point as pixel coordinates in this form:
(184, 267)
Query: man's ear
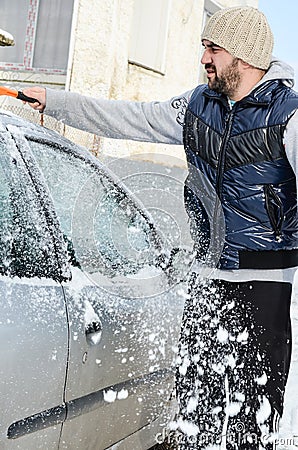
(245, 67)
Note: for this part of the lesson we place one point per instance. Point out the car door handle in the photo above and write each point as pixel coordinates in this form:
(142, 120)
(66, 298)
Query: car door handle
(93, 331)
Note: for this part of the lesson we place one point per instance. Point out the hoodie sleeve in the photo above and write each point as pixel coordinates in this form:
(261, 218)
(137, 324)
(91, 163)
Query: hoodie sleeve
(291, 142)
(159, 122)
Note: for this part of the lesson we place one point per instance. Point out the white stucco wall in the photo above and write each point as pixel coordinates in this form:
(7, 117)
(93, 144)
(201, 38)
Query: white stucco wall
(99, 65)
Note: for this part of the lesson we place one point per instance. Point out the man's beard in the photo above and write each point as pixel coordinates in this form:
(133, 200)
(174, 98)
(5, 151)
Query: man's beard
(228, 82)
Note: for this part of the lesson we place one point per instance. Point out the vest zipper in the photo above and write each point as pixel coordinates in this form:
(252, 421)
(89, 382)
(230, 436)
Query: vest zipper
(216, 225)
(222, 153)
(274, 209)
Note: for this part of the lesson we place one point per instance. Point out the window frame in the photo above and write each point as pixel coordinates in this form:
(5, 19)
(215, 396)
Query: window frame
(29, 46)
(136, 54)
(210, 7)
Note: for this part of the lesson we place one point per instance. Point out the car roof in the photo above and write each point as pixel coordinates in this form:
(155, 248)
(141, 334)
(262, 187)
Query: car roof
(45, 135)
(30, 129)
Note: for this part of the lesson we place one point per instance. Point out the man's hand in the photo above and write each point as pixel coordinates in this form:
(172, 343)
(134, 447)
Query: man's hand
(40, 94)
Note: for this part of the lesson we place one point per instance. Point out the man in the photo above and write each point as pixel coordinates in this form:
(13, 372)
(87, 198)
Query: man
(239, 134)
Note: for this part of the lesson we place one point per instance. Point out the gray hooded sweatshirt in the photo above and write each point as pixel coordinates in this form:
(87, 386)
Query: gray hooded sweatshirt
(162, 122)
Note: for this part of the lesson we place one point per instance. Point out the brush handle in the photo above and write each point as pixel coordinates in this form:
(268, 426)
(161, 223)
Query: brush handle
(25, 98)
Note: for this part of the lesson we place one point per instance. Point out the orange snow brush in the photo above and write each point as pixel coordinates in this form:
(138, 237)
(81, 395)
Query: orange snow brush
(17, 94)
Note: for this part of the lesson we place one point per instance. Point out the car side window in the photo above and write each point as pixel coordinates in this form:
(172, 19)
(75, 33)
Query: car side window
(107, 232)
(26, 245)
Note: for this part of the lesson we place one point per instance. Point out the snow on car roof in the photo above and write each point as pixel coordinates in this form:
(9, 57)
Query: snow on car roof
(17, 124)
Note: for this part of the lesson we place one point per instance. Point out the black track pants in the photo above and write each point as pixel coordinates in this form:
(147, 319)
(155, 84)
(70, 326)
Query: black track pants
(235, 350)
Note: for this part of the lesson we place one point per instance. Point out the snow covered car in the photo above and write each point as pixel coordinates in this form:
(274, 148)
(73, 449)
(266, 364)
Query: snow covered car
(89, 319)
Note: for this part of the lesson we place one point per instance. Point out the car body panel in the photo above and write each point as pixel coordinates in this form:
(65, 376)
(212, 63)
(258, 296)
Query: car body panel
(34, 328)
(138, 317)
(34, 342)
(126, 377)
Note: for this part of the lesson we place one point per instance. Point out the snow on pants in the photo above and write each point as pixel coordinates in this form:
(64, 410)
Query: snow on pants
(234, 357)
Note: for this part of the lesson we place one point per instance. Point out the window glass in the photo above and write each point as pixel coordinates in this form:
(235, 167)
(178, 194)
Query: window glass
(53, 34)
(26, 246)
(149, 34)
(14, 20)
(41, 30)
(107, 232)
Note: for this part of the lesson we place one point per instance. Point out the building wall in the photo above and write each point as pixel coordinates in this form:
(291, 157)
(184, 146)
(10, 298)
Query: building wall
(98, 64)
(99, 61)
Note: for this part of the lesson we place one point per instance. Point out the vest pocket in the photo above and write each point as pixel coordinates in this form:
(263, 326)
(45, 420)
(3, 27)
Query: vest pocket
(274, 209)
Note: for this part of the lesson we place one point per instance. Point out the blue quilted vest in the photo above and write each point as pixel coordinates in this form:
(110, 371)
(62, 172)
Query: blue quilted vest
(239, 154)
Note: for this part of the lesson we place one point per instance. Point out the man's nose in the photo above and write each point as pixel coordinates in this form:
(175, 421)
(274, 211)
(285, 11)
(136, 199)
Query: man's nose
(206, 57)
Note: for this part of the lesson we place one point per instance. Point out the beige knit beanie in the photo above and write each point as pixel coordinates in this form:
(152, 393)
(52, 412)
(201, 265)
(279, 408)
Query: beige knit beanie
(244, 32)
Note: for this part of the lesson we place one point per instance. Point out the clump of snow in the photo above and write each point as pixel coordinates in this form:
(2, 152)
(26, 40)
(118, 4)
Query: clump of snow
(243, 337)
(145, 273)
(183, 293)
(196, 358)
(233, 408)
(188, 428)
(216, 410)
(239, 396)
(222, 334)
(264, 411)
(151, 337)
(192, 404)
(109, 396)
(162, 350)
(262, 380)
(184, 366)
(90, 315)
(123, 394)
(231, 361)
(121, 350)
(219, 368)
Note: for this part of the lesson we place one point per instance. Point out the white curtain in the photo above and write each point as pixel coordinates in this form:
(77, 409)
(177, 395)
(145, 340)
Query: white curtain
(53, 34)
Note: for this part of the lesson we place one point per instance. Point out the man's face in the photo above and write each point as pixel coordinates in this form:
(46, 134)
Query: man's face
(222, 69)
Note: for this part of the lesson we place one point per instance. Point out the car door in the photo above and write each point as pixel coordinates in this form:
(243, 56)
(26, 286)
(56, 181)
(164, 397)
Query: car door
(124, 316)
(33, 319)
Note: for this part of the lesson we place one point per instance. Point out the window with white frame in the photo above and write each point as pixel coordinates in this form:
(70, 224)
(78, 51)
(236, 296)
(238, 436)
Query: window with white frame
(41, 30)
(210, 7)
(149, 34)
